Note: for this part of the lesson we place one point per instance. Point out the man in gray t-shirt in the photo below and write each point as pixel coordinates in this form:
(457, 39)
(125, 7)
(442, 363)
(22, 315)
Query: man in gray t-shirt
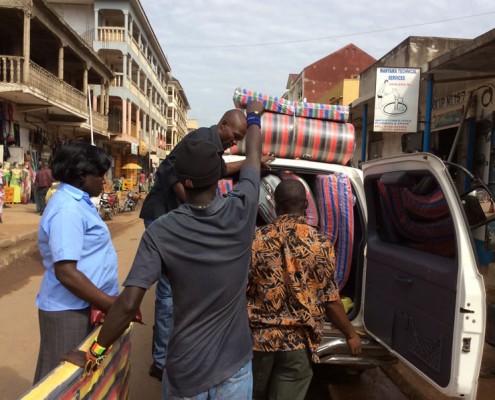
(204, 249)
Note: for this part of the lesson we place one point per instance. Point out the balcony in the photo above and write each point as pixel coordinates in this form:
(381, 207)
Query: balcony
(56, 89)
(46, 86)
(111, 34)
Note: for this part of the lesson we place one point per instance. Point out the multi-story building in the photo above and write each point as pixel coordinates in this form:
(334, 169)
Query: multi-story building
(139, 95)
(53, 86)
(176, 113)
(320, 77)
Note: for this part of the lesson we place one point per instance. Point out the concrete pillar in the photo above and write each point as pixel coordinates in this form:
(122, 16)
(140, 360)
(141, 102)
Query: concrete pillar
(94, 107)
(124, 116)
(138, 122)
(124, 70)
(97, 30)
(129, 119)
(129, 67)
(126, 25)
(61, 62)
(85, 81)
(26, 42)
(103, 95)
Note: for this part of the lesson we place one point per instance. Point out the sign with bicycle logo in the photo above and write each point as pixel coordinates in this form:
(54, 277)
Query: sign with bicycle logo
(396, 99)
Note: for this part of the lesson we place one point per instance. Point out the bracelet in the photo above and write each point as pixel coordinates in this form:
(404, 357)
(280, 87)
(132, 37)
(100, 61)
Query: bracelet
(97, 350)
(253, 118)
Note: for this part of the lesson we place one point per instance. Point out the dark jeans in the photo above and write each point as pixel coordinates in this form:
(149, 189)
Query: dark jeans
(163, 317)
(41, 197)
(281, 375)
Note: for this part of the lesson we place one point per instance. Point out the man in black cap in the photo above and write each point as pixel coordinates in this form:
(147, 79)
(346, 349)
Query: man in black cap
(166, 195)
(203, 247)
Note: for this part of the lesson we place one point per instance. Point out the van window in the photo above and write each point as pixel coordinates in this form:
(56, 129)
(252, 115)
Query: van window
(411, 211)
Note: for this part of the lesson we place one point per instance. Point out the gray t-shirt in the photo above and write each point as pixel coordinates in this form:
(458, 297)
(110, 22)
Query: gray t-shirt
(205, 254)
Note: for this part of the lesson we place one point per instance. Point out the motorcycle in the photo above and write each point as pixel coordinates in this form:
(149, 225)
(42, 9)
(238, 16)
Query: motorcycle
(131, 201)
(105, 208)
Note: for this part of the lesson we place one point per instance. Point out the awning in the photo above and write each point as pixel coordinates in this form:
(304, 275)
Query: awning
(471, 61)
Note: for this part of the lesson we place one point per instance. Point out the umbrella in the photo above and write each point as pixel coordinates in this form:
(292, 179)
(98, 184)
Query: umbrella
(132, 166)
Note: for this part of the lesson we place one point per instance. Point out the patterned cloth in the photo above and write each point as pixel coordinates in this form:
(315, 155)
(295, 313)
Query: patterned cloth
(291, 278)
(329, 112)
(310, 139)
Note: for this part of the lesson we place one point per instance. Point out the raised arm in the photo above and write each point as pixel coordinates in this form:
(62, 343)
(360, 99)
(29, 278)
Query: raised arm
(253, 137)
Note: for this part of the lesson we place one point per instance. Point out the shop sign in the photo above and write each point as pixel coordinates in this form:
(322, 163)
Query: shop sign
(143, 148)
(396, 99)
(134, 148)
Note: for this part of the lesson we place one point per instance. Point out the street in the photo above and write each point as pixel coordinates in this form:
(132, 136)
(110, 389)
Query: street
(19, 337)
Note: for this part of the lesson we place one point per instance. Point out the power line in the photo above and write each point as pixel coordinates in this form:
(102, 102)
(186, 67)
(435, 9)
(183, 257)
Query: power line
(331, 37)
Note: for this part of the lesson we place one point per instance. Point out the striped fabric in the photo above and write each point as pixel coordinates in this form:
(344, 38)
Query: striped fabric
(271, 103)
(430, 206)
(304, 138)
(345, 240)
(110, 381)
(224, 186)
(266, 204)
(311, 210)
(431, 235)
(328, 112)
(336, 204)
(324, 141)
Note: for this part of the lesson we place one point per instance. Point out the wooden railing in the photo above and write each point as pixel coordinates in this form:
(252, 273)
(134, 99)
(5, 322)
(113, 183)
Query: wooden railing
(11, 69)
(100, 122)
(55, 88)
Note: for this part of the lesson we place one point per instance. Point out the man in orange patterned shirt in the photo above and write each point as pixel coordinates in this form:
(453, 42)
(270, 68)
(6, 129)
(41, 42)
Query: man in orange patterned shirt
(291, 287)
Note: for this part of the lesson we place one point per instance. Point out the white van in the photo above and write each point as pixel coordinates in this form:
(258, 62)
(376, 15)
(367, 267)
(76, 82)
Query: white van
(410, 264)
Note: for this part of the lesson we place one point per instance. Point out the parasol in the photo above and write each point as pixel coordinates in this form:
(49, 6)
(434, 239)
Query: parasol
(132, 166)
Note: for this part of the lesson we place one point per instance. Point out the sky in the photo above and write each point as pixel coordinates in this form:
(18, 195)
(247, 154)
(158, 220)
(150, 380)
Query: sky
(215, 46)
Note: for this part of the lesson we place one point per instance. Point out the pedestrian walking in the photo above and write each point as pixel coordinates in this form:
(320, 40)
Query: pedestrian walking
(43, 182)
(203, 247)
(291, 288)
(77, 253)
(167, 194)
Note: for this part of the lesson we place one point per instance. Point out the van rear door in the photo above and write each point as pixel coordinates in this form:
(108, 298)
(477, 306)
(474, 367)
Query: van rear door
(424, 298)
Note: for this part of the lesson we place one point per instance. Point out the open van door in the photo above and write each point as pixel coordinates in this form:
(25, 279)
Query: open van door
(424, 298)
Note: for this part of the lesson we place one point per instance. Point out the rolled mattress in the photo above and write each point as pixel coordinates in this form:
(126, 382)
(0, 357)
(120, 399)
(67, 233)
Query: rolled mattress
(304, 138)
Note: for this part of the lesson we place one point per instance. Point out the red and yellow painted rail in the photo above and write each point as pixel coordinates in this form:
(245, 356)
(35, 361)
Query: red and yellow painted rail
(110, 381)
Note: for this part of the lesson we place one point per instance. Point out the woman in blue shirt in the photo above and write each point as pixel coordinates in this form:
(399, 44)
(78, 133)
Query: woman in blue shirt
(77, 253)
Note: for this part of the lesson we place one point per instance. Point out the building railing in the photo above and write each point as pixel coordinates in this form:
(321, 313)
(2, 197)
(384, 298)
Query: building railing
(11, 69)
(100, 121)
(111, 34)
(55, 88)
(49, 86)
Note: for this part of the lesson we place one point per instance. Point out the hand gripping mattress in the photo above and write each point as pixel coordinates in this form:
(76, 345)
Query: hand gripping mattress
(335, 202)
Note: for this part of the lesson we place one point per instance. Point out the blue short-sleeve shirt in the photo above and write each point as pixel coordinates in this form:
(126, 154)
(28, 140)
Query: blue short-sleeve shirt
(72, 230)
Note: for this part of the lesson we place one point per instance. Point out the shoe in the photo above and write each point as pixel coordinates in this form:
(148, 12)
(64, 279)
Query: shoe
(156, 372)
